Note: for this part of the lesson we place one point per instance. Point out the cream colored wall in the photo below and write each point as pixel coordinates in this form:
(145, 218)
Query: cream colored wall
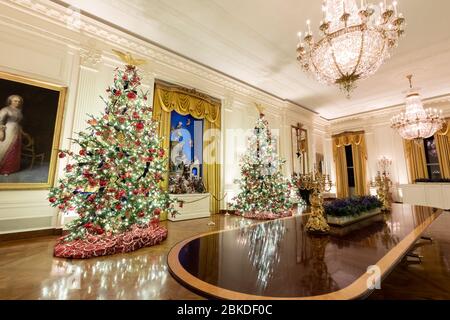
(39, 41)
(382, 140)
(24, 53)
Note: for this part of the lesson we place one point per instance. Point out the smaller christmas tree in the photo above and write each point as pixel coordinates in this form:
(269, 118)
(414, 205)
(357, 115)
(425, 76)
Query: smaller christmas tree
(113, 182)
(264, 192)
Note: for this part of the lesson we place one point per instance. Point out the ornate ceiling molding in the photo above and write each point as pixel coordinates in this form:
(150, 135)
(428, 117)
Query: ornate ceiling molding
(383, 116)
(80, 28)
(90, 58)
(72, 20)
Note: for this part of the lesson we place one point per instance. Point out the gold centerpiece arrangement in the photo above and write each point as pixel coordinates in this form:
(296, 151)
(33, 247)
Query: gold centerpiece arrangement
(317, 183)
(383, 183)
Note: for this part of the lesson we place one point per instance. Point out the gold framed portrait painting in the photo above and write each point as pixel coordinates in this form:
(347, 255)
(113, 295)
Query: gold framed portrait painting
(31, 114)
(299, 140)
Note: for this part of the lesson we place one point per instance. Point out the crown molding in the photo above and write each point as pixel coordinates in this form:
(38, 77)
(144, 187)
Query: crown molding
(383, 116)
(79, 25)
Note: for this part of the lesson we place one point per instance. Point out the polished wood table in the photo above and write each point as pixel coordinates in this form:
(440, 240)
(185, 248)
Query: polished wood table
(279, 260)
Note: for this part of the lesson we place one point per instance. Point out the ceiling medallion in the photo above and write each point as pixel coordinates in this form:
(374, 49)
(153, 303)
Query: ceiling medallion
(416, 123)
(355, 42)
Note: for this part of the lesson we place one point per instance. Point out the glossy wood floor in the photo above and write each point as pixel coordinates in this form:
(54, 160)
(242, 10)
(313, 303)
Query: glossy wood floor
(29, 271)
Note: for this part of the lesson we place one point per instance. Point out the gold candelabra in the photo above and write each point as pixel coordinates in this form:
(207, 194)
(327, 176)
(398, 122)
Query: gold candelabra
(383, 184)
(317, 183)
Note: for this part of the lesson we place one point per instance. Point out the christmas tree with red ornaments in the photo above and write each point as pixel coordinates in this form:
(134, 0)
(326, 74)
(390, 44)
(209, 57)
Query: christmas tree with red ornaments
(264, 192)
(113, 182)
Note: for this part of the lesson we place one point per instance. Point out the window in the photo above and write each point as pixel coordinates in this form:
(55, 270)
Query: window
(186, 145)
(434, 170)
(350, 168)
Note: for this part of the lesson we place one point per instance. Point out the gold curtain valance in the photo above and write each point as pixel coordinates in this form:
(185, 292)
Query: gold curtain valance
(185, 101)
(350, 138)
(358, 142)
(168, 98)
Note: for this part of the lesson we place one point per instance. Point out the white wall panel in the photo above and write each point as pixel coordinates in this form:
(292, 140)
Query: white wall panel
(36, 44)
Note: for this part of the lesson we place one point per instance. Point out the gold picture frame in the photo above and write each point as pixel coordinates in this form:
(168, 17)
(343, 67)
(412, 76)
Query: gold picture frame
(300, 149)
(34, 132)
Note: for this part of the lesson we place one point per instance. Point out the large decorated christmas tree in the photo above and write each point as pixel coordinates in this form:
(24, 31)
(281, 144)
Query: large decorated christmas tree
(264, 192)
(113, 182)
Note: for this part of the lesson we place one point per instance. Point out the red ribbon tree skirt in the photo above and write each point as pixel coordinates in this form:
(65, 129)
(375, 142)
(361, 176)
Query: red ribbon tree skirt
(265, 215)
(98, 246)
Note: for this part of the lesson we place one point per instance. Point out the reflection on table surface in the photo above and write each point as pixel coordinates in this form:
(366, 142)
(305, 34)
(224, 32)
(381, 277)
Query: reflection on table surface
(279, 259)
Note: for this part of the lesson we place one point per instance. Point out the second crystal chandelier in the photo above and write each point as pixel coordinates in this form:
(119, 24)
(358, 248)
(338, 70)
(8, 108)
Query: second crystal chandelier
(355, 42)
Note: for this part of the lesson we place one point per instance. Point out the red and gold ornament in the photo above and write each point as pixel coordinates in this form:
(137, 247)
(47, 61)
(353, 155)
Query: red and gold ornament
(139, 126)
(131, 95)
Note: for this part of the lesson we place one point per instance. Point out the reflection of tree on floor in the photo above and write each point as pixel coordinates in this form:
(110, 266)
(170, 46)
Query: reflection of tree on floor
(101, 278)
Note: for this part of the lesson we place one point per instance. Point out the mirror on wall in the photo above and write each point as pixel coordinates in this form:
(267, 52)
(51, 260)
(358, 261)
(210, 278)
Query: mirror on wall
(299, 137)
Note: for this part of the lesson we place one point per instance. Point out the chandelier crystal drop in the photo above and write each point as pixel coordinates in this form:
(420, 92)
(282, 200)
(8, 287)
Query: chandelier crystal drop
(355, 42)
(416, 123)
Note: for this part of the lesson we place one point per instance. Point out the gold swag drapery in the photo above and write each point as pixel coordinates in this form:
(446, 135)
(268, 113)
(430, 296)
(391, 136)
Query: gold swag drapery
(170, 98)
(358, 142)
(443, 148)
(416, 157)
(416, 160)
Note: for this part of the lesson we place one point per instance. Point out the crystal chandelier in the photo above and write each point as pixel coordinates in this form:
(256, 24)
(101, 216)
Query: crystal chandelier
(355, 42)
(417, 123)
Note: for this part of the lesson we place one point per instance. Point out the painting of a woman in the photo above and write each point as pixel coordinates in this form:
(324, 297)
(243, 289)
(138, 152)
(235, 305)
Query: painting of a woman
(31, 115)
(11, 135)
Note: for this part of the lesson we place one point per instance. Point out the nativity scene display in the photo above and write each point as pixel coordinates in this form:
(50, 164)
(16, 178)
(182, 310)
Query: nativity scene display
(186, 155)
